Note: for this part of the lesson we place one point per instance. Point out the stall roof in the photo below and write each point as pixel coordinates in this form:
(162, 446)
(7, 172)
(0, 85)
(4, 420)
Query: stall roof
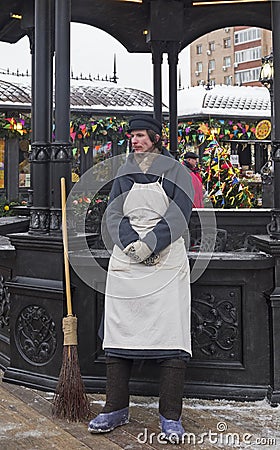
(100, 97)
(224, 101)
(104, 97)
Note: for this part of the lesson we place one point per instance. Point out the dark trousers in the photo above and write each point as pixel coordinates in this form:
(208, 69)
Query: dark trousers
(171, 385)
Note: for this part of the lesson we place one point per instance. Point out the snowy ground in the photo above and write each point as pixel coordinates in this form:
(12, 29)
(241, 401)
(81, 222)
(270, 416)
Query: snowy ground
(26, 423)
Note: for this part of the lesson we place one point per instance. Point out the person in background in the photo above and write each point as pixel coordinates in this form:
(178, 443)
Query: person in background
(147, 298)
(190, 161)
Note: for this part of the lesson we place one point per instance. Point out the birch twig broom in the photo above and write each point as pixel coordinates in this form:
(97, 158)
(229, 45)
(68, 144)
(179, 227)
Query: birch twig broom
(70, 400)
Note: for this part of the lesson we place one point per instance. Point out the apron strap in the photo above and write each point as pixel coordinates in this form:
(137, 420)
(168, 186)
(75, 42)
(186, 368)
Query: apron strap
(160, 179)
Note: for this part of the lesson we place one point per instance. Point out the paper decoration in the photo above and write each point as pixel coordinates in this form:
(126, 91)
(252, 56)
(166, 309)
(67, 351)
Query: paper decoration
(219, 192)
(221, 179)
(86, 149)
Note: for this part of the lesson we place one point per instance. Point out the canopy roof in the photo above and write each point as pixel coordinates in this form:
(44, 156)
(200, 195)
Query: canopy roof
(86, 96)
(127, 20)
(224, 101)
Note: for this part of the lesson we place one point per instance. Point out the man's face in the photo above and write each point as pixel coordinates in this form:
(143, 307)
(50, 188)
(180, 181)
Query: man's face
(192, 161)
(140, 141)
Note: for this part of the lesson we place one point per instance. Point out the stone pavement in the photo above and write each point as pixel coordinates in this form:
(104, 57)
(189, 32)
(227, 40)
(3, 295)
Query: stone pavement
(26, 423)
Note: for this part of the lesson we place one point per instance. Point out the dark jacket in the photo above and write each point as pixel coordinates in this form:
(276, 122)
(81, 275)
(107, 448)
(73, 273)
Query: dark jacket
(176, 183)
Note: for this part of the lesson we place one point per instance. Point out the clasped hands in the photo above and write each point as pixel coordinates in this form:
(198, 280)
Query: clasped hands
(140, 252)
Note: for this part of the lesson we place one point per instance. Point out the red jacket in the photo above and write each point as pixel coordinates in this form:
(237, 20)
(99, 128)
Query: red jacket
(197, 186)
(198, 190)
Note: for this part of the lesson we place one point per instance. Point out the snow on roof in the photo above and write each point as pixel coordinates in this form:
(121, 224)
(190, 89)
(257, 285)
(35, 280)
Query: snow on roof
(225, 101)
(106, 97)
(15, 94)
(86, 95)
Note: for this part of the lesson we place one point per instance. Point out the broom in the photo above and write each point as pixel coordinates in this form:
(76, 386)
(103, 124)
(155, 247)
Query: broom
(70, 401)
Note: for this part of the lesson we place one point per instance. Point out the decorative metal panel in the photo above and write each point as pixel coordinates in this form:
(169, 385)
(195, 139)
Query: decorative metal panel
(35, 335)
(5, 304)
(216, 323)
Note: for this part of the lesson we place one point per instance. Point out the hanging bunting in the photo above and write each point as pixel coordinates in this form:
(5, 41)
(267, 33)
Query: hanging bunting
(221, 180)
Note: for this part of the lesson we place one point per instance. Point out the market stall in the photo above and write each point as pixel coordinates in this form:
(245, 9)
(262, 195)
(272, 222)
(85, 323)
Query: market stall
(238, 120)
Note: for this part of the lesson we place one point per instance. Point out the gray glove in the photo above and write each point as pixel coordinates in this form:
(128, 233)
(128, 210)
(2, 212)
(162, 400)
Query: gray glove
(152, 260)
(138, 251)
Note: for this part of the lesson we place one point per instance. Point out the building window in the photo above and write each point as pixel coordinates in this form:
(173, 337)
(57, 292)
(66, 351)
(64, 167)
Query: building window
(227, 42)
(199, 67)
(247, 76)
(228, 80)
(250, 54)
(199, 49)
(211, 46)
(250, 34)
(211, 64)
(227, 61)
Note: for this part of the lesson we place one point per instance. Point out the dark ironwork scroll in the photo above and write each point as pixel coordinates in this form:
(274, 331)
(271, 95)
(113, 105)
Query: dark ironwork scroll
(35, 335)
(5, 304)
(215, 326)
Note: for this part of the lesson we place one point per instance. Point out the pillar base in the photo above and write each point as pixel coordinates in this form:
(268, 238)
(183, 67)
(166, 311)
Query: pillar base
(273, 397)
(39, 221)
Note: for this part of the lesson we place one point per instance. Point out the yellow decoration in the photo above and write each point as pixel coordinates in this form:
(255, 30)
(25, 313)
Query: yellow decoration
(86, 149)
(75, 177)
(204, 128)
(263, 129)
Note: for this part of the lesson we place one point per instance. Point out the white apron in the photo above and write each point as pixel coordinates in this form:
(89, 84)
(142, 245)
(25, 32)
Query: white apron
(148, 307)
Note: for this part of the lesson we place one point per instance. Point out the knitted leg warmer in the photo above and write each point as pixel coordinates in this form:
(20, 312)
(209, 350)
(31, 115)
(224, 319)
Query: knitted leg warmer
(117, 389)
(171, 388)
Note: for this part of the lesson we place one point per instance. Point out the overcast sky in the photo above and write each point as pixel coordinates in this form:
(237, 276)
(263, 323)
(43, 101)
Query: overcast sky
(92, 51)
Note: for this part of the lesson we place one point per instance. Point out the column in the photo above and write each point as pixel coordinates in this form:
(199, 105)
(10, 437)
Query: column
(61, 154)
(275, 9)
(157, 48)
(274, 226)
(42, 111)
(173, 51)
(27, 23)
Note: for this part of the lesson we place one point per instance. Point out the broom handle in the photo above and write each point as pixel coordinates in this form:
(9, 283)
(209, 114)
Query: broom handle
(65, 247)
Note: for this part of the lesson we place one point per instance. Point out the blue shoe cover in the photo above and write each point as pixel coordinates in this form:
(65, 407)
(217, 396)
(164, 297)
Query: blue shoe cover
(172, 429)
(106, 422)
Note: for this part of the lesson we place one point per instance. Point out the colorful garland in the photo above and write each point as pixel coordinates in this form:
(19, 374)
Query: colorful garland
(15, 127)
(98, 130)
(222, 130)
(84, 128)
(221, 180)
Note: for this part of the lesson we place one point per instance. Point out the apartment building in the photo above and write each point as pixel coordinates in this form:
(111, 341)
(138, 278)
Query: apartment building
(230, 56)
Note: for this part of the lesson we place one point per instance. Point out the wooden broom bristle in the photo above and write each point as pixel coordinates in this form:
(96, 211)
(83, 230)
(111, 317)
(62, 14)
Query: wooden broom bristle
(70, 400)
